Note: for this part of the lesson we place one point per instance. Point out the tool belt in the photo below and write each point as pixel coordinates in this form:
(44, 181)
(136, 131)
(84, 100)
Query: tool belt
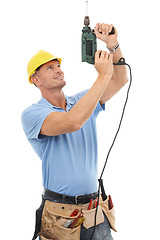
(51, 216)
(79, 199)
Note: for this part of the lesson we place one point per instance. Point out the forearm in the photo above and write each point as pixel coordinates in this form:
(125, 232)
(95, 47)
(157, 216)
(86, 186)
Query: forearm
(83, 109)
(118, 79)
(86, 105)
(119, 72)
(102, 32)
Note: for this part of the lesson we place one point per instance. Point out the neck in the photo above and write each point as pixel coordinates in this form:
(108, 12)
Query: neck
(56, 98)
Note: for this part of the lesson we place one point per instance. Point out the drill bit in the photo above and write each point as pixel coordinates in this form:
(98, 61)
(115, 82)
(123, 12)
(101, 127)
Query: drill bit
(86, 19)
(86, 7)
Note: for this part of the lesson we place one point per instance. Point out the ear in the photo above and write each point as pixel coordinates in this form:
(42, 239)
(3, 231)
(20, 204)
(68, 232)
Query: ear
(36, 80)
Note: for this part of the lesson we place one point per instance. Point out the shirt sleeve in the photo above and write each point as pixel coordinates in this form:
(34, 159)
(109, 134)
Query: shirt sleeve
(32, 121)
(98, 108)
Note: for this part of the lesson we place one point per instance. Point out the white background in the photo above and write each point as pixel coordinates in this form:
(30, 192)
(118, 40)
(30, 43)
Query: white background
(132, 172)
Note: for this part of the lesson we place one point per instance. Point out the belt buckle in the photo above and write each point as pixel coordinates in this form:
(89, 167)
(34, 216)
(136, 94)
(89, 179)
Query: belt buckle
(76, 200)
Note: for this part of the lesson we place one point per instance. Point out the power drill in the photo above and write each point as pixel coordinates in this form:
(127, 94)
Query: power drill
(89, 42)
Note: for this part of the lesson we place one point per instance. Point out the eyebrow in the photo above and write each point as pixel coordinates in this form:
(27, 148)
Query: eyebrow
(50, 65)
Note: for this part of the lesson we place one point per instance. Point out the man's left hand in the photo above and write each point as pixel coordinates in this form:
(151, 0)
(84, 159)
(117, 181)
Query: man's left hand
(102, 32)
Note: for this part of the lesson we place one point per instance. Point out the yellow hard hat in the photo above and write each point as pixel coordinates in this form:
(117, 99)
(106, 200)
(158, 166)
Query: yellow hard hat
(37, 60)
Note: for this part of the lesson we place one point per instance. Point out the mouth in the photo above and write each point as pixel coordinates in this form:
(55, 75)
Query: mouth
(60, 77)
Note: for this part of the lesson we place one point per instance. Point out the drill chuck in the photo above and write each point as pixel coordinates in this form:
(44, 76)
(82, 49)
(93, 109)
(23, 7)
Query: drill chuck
(86, 21)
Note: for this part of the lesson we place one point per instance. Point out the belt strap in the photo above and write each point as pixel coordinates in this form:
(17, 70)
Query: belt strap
(79, 199)
(38, 219)
(104, 196)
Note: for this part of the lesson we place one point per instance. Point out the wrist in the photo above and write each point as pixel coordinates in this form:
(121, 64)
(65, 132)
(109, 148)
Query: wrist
(104, 76)
(113, 47)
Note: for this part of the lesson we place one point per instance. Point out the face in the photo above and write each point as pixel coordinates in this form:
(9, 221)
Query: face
(50, 76)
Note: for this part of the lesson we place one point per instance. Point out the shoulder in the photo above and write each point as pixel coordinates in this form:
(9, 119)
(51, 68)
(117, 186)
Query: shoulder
(32, 110)
(36, 108)
(35, 114)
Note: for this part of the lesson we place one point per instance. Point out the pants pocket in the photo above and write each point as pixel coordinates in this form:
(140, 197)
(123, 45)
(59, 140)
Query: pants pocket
(53, 223)
(89, 216)
(110, 213)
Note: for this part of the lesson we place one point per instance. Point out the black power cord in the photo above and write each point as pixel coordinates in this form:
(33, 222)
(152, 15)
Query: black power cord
(120, 62)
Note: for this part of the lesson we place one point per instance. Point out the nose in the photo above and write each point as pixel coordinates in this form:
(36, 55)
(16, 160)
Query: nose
(58, 70)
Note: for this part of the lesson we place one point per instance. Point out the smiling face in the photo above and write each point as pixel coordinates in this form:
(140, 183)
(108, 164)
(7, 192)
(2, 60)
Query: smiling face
(49, 76)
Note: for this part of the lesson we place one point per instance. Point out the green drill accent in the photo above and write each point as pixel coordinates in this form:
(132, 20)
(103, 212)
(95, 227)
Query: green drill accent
(89, 43)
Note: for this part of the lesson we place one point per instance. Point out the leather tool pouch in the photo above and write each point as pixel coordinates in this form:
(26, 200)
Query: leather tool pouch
(53, 219)
(110, 214)
(55, 215)
(89, 216)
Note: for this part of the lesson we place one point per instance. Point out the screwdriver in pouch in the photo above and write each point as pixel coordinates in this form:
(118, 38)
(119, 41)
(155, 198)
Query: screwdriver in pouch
(95, 203)
(74, 213)
(77, 221)
(90, 204)
(67, 224)
(110, 203)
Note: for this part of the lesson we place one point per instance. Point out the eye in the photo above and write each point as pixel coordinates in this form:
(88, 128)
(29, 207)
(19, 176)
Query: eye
(52, 67)
(49, 68)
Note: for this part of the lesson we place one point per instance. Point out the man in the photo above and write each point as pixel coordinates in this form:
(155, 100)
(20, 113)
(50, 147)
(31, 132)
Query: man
(62, 129)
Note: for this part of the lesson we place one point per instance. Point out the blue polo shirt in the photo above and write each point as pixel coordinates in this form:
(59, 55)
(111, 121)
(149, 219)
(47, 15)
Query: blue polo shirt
(69, 161)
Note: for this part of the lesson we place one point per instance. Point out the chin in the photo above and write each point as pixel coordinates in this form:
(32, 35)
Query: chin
(64, 83)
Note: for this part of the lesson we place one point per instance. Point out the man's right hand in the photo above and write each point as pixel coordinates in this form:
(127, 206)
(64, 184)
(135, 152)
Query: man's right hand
(104, 64)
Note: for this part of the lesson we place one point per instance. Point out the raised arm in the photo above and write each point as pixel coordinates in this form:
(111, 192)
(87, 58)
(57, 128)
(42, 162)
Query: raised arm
(119, 77)
(59, 123)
